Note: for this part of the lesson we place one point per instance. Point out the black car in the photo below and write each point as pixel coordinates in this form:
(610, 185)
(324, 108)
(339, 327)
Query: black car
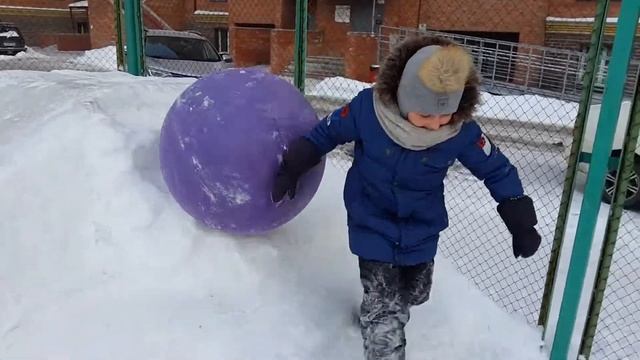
(11, 39)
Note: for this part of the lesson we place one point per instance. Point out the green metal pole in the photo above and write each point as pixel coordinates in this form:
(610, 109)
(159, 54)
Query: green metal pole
(613, 225)
(569, 182)
(134, 43)
(613, 95)
(140, 35)
(117, 13)
(300, 51)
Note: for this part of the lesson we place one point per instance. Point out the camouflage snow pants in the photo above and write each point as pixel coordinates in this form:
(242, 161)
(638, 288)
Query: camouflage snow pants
(389, 293)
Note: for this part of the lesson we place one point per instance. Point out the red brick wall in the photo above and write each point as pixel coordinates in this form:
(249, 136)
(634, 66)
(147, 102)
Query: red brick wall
(361, 53)
(574, 8)
(282, 46)
(281, 50)
(171, 11)
(38, 3)
(211, 6)
(526, 17)
(401, 13)
(288, 14)
(74, 42)
(102, 23)
(255, 12)
(250, 46)
(334, 34)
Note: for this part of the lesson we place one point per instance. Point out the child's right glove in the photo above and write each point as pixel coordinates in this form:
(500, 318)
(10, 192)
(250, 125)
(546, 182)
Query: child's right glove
(300, 156)
(519, 215)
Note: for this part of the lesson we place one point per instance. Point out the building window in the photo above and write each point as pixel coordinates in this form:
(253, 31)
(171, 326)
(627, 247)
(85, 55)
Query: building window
(221, 39)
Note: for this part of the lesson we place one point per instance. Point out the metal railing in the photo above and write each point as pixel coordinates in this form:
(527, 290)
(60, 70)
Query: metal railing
(512, 67)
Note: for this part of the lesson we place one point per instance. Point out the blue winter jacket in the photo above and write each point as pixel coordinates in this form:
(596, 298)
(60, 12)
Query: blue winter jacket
(394, 197)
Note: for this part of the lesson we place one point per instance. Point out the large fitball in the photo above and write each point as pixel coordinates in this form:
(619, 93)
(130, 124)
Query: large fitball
(222, 142)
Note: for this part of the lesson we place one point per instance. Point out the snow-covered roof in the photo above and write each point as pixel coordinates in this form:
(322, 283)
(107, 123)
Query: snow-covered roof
(84, 3)
(207, 12)
(30, 8)
(610, 20)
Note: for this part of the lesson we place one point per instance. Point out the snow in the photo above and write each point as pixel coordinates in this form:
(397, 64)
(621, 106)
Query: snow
(338, 88)
(104, 58)
(31, 8)
(208, 12)
(30, 54)
(84, 3)
(98, 261)
(610, 20)
(9, 34)
(527, 108)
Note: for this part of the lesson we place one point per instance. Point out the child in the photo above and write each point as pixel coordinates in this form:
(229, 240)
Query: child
(408, 130)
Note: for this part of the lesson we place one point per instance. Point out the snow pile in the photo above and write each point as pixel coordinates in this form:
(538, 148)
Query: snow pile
(97, 261)
(527, 108)
(103, 58)
(338, 88)
(29, 54)
(209, 12)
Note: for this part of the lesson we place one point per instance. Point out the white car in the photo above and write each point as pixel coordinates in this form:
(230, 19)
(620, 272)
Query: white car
(171, 53)
(632, 199)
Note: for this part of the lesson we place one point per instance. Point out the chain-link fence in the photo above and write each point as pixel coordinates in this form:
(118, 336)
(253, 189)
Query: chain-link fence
(532, 86)
(186, 38)
(532, 56)
(618, 330)
(613, 327)
(50, 35)
(530, 98)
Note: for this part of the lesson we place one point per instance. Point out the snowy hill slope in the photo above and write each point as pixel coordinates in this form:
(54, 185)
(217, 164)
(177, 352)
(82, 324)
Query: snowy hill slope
(97, 260)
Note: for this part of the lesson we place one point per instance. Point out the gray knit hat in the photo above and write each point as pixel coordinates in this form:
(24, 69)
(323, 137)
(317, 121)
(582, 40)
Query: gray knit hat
(433, 80)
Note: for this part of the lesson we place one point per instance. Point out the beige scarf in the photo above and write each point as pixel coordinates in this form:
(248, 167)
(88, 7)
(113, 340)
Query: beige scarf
(407, 135)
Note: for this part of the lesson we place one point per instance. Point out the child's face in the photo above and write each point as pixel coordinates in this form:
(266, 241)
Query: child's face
(431, 122)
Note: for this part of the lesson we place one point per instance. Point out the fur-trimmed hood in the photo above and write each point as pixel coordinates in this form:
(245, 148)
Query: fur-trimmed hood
(393, 66)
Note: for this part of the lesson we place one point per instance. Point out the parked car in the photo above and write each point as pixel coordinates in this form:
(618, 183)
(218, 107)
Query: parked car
(11, 39)
(632, 199)
(171, 53)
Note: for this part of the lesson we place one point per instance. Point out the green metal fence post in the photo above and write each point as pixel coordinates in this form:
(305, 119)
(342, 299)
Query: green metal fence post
(613, 95)
(117, 13)
(134, 32)
(300, 52)
(569, 182)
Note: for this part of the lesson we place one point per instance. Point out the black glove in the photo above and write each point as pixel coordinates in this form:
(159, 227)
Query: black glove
(520, 217)
(301, 155)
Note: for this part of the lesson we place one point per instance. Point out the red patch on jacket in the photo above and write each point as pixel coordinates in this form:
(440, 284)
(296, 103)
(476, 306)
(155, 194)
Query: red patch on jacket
(344, 112)
(484, 144)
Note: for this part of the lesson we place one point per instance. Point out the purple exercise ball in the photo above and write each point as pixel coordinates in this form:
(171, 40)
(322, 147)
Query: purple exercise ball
(221, 144)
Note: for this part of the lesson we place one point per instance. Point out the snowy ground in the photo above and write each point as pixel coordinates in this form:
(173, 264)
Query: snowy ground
(97, 260)
(47, 59)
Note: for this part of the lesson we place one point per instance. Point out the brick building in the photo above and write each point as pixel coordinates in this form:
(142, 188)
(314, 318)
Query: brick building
(81, 25)
(49, 22)
(262, 30)
(342, 33)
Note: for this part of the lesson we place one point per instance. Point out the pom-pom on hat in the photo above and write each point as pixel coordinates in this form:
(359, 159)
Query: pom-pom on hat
(434, 79)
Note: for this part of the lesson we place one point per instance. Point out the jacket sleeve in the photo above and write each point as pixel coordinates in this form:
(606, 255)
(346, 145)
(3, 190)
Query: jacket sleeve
(488, 163)
(337, 128)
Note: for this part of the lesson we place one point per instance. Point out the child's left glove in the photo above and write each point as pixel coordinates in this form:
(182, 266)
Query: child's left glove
(301, 155)
(520, 217)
